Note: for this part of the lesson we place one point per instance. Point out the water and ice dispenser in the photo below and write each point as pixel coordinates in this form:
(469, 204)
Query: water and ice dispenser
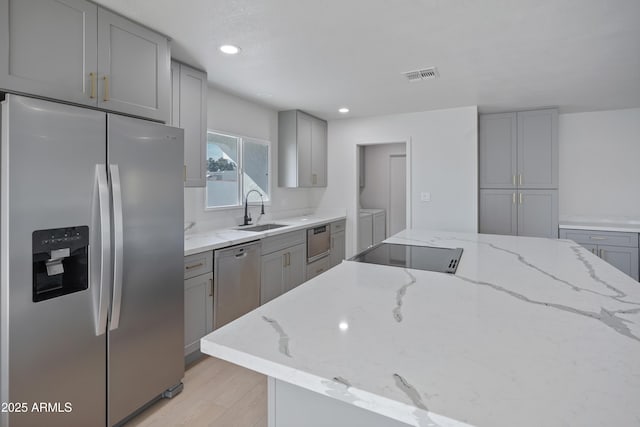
(60, 262)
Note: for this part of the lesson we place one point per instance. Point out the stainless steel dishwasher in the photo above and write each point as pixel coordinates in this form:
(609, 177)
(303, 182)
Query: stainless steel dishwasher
(236, 282)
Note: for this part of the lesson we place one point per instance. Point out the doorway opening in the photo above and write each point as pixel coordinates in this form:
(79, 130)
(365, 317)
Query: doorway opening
(382, 205)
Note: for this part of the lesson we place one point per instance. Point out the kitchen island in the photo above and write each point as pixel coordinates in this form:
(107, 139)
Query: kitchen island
(528, 332)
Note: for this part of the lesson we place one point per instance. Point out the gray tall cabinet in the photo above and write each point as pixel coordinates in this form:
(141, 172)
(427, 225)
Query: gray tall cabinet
(518, 154)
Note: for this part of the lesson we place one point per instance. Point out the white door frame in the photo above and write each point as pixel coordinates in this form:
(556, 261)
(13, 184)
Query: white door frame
(356, 203)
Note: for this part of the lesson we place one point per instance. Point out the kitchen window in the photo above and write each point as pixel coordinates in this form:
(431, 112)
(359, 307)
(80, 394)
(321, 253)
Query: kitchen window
(235, 165)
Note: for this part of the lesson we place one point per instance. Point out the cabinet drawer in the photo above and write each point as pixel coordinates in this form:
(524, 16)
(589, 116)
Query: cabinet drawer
(282, 241)
(197, 264)
(609, 238)
(338, 226)
(318, 267)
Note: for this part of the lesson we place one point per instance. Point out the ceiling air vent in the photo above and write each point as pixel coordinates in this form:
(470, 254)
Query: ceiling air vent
(424, 74)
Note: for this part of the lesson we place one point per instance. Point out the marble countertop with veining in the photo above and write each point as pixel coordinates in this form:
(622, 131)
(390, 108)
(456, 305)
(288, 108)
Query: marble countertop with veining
(216, 239)
(528, 332)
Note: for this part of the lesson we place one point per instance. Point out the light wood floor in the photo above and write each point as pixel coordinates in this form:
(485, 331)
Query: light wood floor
(216, 394)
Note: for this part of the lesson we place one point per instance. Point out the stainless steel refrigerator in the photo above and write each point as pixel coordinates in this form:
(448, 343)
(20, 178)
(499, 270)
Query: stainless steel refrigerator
(91, 256)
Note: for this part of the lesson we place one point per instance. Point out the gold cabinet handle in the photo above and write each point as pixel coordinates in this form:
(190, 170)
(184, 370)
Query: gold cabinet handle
(284, 260)
(189, 267)
(106, 88)
(288, 258)
(593, 251)
(514, 180)
(210, 287)
(314, 179)
(513, 196)
(93, 79)
(601, 253)
(520, 198)
(597, 238)
(520, 179)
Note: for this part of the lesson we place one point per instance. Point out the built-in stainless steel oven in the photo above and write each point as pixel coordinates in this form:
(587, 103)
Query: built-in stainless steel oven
(318, 242)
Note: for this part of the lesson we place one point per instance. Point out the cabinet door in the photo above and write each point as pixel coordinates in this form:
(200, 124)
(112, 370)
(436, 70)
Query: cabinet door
(538, 213)
(272, 276)
(337, 248)
(318, 153)
(591, 248)
(198, 310)
(498, 212)
(365, 232)
(296, 265)
(48, 48)
(379, 227)
(538, 149)
(497, 150)
(193, 119)
(303, 136)
(134, 68)
(624, 259)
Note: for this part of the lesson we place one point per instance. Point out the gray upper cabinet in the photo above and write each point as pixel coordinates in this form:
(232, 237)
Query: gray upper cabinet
(133, 68)
(48, 48)
(538, 149)
(519, 150)
(75, 51)
(497, 154)
(189, 112)
(302, 150)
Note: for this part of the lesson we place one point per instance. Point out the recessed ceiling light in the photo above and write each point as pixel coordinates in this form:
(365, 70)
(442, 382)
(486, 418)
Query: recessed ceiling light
(343, 110)
(229, 49)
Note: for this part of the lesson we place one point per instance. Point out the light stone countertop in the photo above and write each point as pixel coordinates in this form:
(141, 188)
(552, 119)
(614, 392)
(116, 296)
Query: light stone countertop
(528, 332)
(217, 239)
(628, 226)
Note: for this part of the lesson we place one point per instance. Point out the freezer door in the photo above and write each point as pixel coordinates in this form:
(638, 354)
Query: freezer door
(50, 350)
(146, 336)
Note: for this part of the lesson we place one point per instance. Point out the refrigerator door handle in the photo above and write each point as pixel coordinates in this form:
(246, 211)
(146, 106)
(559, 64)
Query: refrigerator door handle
(118, 246)
(101, 261)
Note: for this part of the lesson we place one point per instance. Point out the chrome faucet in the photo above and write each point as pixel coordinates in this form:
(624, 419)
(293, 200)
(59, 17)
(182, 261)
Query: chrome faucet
(247, 215)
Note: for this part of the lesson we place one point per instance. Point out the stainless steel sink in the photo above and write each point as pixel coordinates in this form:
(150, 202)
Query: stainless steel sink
(262, 227)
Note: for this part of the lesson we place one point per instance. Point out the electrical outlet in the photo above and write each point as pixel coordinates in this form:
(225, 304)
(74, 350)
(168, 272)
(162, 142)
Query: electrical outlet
(425, 196)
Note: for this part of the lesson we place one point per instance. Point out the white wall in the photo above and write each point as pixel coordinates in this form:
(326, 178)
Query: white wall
(599, 164)
(229, 113)
(443, 156)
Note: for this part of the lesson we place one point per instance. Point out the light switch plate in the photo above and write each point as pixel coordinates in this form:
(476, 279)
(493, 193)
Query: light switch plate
(425, 196)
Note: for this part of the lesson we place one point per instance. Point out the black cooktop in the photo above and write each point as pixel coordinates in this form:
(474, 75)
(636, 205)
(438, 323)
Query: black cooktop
(443, 260)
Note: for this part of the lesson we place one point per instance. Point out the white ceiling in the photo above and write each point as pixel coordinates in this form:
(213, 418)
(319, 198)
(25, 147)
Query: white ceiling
(318, 55)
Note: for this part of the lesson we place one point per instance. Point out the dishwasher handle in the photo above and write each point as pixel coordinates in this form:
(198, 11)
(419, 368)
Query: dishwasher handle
(242, 254)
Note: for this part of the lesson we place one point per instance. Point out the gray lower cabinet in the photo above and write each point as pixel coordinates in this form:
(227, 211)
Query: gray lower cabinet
(283, 264)
(498, 212)
(198, 299)
(524, 213)
(338, 251)
(189, 112)
(617, 248)
(379, 232)
(281, 271)
(318, 267)
(198, 310)
(538, 213)
(76, 51)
